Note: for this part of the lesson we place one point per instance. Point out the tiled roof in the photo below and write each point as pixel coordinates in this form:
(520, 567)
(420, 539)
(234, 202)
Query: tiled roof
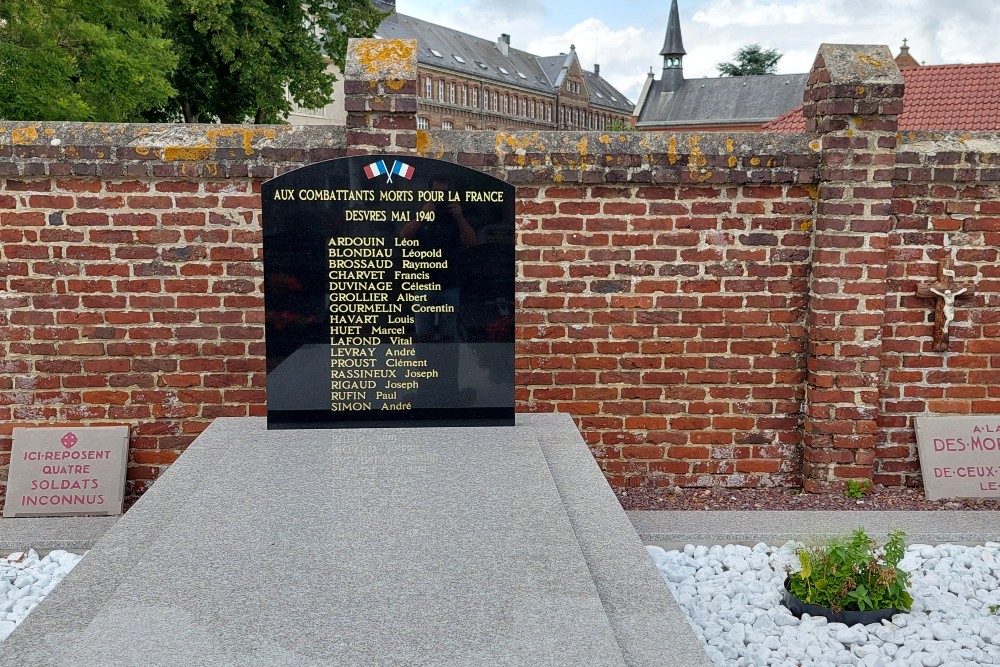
(936, 97)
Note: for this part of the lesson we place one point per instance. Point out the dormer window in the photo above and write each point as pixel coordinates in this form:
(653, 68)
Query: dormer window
(436, 53)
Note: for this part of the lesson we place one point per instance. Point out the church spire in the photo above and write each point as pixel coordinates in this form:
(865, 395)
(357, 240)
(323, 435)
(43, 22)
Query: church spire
(673, 50)
(673, 45)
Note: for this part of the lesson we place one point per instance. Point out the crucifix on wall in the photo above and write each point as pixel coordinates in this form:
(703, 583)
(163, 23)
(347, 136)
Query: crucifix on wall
(945, 290)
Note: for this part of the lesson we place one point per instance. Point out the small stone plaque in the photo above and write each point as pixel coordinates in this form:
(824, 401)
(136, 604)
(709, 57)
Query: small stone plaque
(67, 471)
(388, 295)
(960, 456)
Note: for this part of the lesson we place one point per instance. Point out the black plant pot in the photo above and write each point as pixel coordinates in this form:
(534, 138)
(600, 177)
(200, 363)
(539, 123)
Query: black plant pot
(798, 607)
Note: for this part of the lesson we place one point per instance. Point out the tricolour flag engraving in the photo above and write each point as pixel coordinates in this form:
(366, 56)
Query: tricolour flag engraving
(376, 169)
(402, 169)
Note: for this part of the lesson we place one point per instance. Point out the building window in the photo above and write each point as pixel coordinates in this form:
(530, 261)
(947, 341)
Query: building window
(524, 107)
(441, 90)
(486, 100)
(427, 88)
(513, 109)
(506, 103)
(475, 97)
(470, 126)
(451, 93)
(465, 96)
(422, 123)
(532, 111)
(447, 125)
(548, 112)
(496, 101)
(562, 116)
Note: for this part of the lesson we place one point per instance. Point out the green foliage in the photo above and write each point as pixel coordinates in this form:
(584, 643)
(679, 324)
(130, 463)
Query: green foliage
(83, 59)
(239, 57)
(856, 489)
(618, 125)
(853, 574)
(994, 608)
(751, 59)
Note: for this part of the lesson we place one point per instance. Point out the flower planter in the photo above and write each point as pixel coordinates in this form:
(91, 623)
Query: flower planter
(798, 607)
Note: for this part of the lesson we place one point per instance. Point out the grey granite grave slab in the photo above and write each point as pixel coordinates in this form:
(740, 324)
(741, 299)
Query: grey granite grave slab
(364, 547)
(45, 534)
(649, 624)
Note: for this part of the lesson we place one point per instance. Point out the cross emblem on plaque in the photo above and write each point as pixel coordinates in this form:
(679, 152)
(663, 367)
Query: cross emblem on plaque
(945, 290)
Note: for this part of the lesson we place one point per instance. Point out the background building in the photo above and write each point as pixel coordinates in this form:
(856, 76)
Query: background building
(470, 83)
(740, 103)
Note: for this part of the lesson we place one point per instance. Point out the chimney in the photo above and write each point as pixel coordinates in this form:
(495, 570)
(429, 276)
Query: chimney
(597, 70)
(503, 44)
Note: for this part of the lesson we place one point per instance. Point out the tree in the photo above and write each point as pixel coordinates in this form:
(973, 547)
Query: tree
(618, 125)
(248, 60)
(751, 59)
(83, 60)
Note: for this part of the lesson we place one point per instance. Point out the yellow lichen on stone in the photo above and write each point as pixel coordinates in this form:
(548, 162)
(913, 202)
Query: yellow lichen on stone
(868, 60)
(426, 146)
(211, 169)
(815, 145)
(732, 161)
(729, 145)
(558, 178)
(604, 139)
(388, 55)
(506, 143)
(581, 146)
(199, 152)
(755, 162)
(394, 83)
(142, 150)
(697, 160)
(49, 132)
(860, 90)
(672, 150)
(806, 225)
(24, 135)
(247, 135)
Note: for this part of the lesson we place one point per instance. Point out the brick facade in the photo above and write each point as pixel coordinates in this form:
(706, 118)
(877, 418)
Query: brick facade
(714, 310)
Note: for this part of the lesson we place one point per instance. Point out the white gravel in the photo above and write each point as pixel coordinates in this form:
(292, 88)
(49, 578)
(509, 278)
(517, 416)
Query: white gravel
(731, 595)
(25, 580)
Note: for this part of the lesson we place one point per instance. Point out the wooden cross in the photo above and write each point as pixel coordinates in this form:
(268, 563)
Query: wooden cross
(945, 290)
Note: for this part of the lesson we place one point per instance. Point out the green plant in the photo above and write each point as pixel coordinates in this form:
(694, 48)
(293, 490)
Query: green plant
(994, 608)
(618, 125)
(853, 574)
(856, 489)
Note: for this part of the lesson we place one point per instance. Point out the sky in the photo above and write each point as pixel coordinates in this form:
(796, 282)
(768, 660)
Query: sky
(625, 36)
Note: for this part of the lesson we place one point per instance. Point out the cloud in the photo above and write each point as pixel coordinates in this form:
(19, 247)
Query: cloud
(625, 37)
(522, 19)
(938, 32)
(621, 64)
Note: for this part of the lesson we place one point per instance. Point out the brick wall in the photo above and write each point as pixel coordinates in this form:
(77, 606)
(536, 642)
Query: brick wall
(713, 309)
(946, 190)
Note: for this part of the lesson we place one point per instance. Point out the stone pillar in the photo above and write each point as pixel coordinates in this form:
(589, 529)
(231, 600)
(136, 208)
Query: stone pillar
(852, 101)
(380, 96)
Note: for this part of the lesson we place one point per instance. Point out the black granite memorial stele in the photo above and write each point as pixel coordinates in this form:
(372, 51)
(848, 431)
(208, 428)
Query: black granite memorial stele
(388, 295)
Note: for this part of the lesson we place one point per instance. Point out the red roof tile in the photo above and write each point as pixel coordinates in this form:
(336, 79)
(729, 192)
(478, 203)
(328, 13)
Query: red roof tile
(937, 97)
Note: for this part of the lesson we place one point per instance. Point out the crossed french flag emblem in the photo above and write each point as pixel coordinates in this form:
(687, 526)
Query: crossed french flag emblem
(399, 168)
